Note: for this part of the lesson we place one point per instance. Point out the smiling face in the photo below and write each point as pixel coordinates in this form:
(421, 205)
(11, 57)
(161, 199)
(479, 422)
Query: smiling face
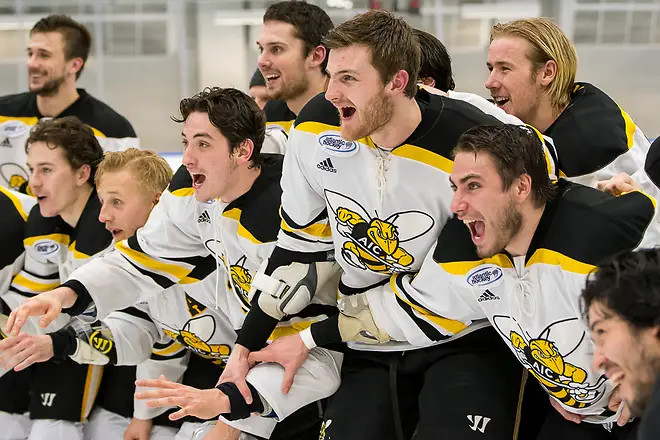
(513, 83)
(489, 211)
(356, 90)
(282, 61)
(125, 204)
(208, 158)
(629, 358)
(52, 180)
(47, 66)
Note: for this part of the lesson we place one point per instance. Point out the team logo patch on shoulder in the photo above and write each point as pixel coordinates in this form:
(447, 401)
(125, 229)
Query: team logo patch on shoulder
(484, 276)
(333, 144)
(46, 247)
(12, 129)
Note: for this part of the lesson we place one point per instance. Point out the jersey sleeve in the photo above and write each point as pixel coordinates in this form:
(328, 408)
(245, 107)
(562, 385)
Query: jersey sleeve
(305, 226)
(134, 334)
(15, 208)
(425, 307)
(304, 236)
(166, 251)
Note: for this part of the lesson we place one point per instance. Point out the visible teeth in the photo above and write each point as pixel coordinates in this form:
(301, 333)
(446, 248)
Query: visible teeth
(467, 222)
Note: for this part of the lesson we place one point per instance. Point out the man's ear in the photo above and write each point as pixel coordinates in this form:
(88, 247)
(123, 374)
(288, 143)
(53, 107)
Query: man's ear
(82, 174)
(243, 153)
(317, 56)
(399, 82)
(548, 72)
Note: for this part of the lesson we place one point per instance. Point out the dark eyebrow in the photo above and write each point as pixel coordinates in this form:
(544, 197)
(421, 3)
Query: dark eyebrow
(468, 177)
(197, 135)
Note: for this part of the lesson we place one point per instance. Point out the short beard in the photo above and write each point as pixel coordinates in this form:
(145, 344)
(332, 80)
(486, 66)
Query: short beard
(377, 113)
(509, 226)
(50, 88)
(299, 86)
(644, 386)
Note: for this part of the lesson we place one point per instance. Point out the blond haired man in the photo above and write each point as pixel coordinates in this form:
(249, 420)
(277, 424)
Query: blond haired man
(532, 68)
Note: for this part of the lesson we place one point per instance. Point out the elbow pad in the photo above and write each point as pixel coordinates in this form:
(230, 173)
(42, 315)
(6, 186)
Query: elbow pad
(289, 289)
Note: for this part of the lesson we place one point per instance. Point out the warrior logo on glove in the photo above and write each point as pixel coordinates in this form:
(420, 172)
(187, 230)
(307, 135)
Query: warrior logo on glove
(375, 244)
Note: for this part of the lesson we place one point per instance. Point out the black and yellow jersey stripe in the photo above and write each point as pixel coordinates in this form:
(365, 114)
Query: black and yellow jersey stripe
(279, 115)
(591, 133)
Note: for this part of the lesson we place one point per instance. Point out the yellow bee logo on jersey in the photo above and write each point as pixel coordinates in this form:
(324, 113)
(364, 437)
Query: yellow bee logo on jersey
(15, 177)
(196, 334)
(241, 279)
(375, 244)
(549, 363)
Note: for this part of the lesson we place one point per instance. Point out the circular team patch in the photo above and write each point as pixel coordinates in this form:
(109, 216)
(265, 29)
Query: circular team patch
(13, 129)
(333, 144)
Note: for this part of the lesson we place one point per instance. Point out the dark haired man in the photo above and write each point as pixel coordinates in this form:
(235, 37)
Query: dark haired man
(356, 196)
(57, 53)
(292, 59)
(435, 72)
(622, 300)
(224, 213)
(517, 252)
(62, 232)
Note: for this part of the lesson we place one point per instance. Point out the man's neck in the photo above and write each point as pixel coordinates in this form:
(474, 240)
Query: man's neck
(53, 105)
(546, 114)
(521, 242)
(406, 116)
(318, 82)
(72, 214)
(241, 184)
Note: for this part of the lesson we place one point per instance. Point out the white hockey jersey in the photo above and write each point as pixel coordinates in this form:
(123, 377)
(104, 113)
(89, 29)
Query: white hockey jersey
(532, 300)
(19, 113)
(596, 139)
(53, 249)
(184, 241)
(378, 211)
(15, 208)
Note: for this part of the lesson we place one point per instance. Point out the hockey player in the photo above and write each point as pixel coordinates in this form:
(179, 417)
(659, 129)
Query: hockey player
(532, 68)
(292, 59)
(15, 208)
(353, 195)
(518, 253)
(622, 300)
(229, 217)
(125, 337)
(62, 232)
(57, 53)
(435, 75)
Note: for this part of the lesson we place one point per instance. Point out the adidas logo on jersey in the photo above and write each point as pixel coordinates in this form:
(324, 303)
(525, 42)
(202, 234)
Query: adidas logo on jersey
(204, 217)
(488, 296)
(5, 143)
(326, 165)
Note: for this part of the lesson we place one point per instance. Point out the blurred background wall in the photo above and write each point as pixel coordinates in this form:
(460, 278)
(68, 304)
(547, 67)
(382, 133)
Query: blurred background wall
(148, 54)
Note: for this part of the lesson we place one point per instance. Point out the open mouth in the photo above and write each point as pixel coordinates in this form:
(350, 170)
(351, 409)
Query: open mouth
(499, 101)
(271, 77)
(41, 198)
(346, 112)
(477, 229)
(198, 180)
(116, 232)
